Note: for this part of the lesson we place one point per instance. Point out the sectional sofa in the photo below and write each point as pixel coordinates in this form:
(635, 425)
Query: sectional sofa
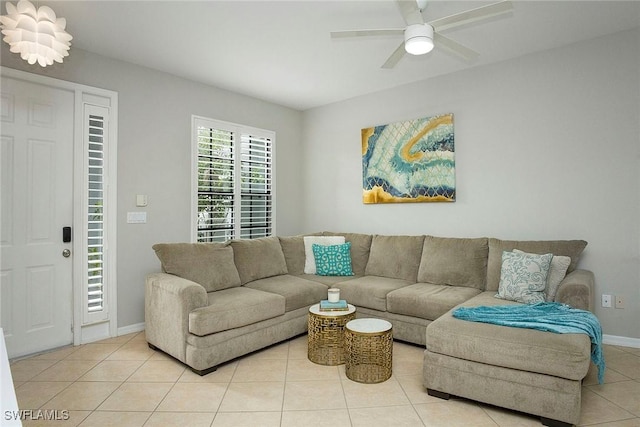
(215, 302)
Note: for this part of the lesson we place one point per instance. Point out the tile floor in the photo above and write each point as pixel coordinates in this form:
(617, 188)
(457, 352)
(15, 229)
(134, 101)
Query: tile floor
(121, 382)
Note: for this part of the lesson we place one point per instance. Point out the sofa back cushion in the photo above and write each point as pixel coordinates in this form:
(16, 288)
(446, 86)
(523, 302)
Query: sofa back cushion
(455, 262)
(209, 264)
(293, 250)
(258, 258)
(360, 248)
(570, 248)
(397, 257)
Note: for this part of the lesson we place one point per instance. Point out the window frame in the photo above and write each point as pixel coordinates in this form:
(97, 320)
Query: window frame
(238, 131)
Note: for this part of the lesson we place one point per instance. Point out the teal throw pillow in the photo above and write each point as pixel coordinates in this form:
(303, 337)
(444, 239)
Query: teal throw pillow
(333, 260)
(523, 277)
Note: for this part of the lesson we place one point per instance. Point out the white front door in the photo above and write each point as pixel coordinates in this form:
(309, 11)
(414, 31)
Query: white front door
(36, 283)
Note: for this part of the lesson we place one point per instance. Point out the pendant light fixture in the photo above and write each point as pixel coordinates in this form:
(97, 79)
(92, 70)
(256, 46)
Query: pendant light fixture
(36, 34)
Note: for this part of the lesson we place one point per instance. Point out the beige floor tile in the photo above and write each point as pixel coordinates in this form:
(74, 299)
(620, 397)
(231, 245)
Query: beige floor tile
(635, 422)
(247, 419)
(388, 393)
(193, 397)
(313, 395)
(596, 409)
(82, 396)
(414, 389)
(94, 351)
(112, 370)
(136, 397)
(120, 419)
(323, 418)
(252, 369)
(180, 419)
(122, 339)
(158, 371)
(24, 370)
(223, 374)
(133, 350)
(66, 370)
(507, 418)
(453, 413)
(624, 394)
(625, 363)
(32, 395)
(70, 419)
(56, 354)
(397, 416)
(610, 376)
(306, 370)
(298, 348)
(259, 396)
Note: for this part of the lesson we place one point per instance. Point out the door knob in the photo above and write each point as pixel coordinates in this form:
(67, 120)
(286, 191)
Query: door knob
(66, 253)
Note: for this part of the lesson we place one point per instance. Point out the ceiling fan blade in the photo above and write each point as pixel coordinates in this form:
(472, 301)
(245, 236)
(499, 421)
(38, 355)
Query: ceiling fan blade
(395, 57)
(455, 47)
(366, 33)
(410, 12)
(471, 16)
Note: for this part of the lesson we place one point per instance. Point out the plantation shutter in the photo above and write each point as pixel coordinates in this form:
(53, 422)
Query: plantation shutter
(95, 298)
(234, 181)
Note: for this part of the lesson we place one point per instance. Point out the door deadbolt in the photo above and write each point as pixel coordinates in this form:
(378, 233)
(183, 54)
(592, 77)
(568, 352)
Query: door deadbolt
(66, 253)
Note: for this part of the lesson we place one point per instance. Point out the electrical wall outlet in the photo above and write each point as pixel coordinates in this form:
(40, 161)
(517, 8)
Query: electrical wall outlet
(619, 301)
(606, 301)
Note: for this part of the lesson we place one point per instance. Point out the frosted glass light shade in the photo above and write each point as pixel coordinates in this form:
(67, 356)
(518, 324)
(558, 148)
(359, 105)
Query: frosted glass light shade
(37, 35)
(418, 39)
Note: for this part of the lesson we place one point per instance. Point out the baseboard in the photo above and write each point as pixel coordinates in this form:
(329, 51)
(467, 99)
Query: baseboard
(621, 341)
(130, 329)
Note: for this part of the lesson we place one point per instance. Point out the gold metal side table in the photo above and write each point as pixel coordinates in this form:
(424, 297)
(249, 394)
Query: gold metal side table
(369, 350)
(326, 334)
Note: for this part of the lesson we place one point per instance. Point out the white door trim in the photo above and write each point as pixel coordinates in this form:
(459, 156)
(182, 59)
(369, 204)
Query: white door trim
(87, 94)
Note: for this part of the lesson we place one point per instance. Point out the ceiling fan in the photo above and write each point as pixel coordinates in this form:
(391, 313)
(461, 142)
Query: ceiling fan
(420, 36)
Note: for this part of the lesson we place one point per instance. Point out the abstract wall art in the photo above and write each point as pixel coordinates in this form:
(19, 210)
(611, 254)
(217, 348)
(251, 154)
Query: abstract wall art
(409, 161)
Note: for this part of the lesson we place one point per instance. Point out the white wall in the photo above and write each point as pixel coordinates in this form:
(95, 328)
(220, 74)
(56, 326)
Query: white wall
(154, 149)
(547, 147)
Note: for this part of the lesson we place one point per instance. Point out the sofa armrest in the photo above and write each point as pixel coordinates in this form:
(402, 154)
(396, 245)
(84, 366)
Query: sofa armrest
(168, 301)
(576, 290)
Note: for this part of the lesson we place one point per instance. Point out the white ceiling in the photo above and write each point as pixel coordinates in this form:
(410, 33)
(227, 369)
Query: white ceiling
(280, 51)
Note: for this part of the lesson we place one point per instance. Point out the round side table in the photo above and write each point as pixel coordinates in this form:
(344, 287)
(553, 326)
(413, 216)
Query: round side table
(326, 334)
(369, 350)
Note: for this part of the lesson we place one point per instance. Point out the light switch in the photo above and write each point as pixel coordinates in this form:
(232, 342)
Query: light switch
(136, 217)
(141, 200)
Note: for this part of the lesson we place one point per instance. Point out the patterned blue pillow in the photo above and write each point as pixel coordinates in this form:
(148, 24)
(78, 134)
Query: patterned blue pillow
(523, 277)
(333, 260)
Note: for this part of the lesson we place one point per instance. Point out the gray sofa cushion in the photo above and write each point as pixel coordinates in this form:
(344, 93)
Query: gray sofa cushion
(233, 308)
(208, 264)
(360, 247)
(298, 292)
(426, 300)
(561, 355)
(369, 291)
(294, 255)
(396, 257)
(456, 262)
(258, 258)
(570, 248)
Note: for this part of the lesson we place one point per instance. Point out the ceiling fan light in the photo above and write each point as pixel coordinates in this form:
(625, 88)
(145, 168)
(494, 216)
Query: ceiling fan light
(418, 39)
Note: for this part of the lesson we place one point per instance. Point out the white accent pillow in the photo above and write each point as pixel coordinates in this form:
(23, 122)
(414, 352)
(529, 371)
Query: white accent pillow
(523, 277)
(557, 272)
(310, 261)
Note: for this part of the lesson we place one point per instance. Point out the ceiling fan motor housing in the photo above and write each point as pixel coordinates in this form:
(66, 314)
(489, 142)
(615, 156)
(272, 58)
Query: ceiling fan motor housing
(418, 39)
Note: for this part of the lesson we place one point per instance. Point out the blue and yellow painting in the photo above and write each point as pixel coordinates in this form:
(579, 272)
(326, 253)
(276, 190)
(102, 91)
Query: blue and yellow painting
(410, 161)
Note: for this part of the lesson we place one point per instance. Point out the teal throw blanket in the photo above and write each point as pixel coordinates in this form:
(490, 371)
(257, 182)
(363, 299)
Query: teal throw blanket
(543, 316)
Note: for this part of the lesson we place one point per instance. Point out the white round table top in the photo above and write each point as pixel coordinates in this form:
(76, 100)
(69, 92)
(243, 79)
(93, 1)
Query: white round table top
(315, 309)
(368, 326)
